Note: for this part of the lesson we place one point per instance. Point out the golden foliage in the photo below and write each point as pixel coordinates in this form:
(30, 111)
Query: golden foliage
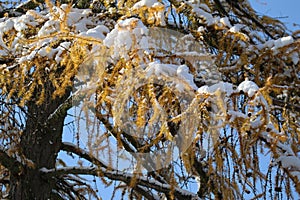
(220, 132)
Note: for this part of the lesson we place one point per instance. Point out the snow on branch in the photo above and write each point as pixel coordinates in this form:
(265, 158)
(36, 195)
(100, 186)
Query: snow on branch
(28, 5)
(121, 176)
(288, 160)
(71, 101)
(286, 156)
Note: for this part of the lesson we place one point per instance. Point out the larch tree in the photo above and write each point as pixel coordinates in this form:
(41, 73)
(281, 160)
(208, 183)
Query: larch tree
(147, 99)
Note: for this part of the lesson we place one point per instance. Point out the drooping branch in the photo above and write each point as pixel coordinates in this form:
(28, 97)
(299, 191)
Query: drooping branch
(129, 142)
(111, 174)
(288, 160)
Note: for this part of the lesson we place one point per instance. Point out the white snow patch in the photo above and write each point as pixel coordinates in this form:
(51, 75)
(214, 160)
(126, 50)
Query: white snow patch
(225, 21)
(6, 26)
(147, 3)
(74, 17)
(49, 27)
(98, 32)
(284, 41)
(295, 58)
(81, 26)
(290, 162)
(256, 123)
(275, 44)
(205, 7)
(296, 174)
(236, 28)
(183, 72)
(171, 70)
(144, 44)
(158, 69)
(201, 13)
(126, 34)
(249, 87)
(4, 52)
(236, 114)
(223, 86)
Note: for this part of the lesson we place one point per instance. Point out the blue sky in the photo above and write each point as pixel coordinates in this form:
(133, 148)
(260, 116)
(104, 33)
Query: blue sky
(285, 10)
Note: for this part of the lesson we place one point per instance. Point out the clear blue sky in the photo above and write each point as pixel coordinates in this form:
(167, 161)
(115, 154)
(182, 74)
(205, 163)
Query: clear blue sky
(286, 11)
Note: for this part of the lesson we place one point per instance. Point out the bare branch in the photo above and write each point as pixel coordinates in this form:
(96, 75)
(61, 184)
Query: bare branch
(115, 133)
(69, 147)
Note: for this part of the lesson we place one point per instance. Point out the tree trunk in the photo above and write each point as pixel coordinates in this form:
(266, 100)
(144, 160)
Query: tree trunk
(40, 143)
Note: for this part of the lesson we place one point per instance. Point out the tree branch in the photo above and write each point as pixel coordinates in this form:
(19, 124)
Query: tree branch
(115, 133)
(71, 101)
(143, 192)
(28, 5)
(285, 154)
(288, 105)
(69, 147)
(121, 176)
(236, 5)
(10, 163)
(21, 8)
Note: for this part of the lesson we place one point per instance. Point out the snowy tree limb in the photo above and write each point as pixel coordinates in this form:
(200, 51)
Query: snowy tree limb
(287, 159)
(28, 5)
(145, 193)
(248, 16)
(122, 176)
(21, 8)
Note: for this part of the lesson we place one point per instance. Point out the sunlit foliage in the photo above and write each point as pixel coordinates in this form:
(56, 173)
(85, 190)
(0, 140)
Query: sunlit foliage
(161, 99)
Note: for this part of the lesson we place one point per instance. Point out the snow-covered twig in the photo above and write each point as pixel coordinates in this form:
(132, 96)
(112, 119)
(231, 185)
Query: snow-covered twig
(287, 159)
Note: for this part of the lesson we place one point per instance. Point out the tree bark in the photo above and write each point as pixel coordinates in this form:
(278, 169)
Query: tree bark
(40, 143)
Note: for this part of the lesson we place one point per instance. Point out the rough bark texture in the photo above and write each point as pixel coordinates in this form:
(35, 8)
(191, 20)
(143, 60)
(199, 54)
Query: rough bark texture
(40, 143)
